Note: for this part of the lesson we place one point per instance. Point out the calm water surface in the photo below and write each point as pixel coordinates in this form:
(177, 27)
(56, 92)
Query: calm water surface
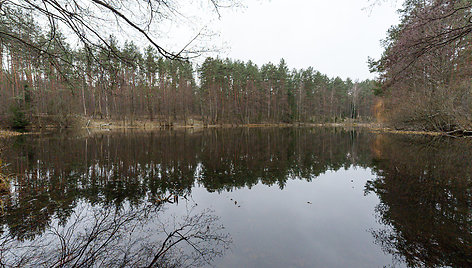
(294, 197)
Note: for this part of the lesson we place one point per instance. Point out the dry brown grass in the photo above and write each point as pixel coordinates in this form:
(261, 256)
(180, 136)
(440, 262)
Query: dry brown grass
(4, 180)
(97, 125)
(4, 184)
(407, 132)
(9, 133)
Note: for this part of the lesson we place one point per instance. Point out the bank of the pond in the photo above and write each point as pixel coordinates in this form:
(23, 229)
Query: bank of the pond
(4, 184)
(452, 134)
(151, 125)
(107, 125)
(9, 133)
(97, 125)
(406, 132)
(4, 180)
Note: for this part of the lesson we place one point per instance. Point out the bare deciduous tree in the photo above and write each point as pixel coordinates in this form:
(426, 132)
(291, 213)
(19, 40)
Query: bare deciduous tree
(92, 21)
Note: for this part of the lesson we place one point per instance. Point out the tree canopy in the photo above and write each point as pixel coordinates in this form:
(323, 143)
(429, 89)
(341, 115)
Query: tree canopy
(425, 69)
(90, 22)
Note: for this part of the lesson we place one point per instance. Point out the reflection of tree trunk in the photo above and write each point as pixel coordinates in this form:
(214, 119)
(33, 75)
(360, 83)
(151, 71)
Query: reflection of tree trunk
(427, 175)
(1, 63)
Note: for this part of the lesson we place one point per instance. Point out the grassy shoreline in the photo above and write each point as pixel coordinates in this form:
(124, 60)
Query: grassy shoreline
(148, 125)
(97, 125)
(4, 133)
(4, 184)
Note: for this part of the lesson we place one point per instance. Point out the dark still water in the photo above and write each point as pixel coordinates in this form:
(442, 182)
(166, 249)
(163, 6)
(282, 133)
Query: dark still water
(294, 197)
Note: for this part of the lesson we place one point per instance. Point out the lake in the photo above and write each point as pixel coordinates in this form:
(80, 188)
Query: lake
(239, 197)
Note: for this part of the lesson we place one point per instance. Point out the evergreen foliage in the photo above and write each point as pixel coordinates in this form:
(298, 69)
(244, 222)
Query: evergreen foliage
(126, 82)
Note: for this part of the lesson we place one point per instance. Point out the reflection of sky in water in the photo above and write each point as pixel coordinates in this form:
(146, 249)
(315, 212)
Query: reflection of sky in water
(279, 228)
(296, 196)
(322, 223)
(130, 236)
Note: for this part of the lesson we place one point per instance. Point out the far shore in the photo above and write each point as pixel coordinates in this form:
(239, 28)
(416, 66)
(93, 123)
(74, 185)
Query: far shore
(4, 133)
(107, 125)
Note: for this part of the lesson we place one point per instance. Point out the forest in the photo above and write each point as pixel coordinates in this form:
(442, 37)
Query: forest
(121, 127)
(425, 71)
(423, 76)
(47, 82)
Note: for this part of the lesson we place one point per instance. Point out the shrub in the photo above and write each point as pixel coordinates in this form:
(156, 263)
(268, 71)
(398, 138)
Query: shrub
(18, 119)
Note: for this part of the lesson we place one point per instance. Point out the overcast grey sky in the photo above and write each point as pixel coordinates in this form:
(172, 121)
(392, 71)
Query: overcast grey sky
(335, 37)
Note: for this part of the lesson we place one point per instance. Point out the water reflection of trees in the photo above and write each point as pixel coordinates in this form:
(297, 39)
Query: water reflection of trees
(424, 185)
(101, 236)
(54, 174)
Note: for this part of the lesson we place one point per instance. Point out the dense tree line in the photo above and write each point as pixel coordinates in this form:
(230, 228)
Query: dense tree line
(425, 69)
(49, 82)
(241, 92)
